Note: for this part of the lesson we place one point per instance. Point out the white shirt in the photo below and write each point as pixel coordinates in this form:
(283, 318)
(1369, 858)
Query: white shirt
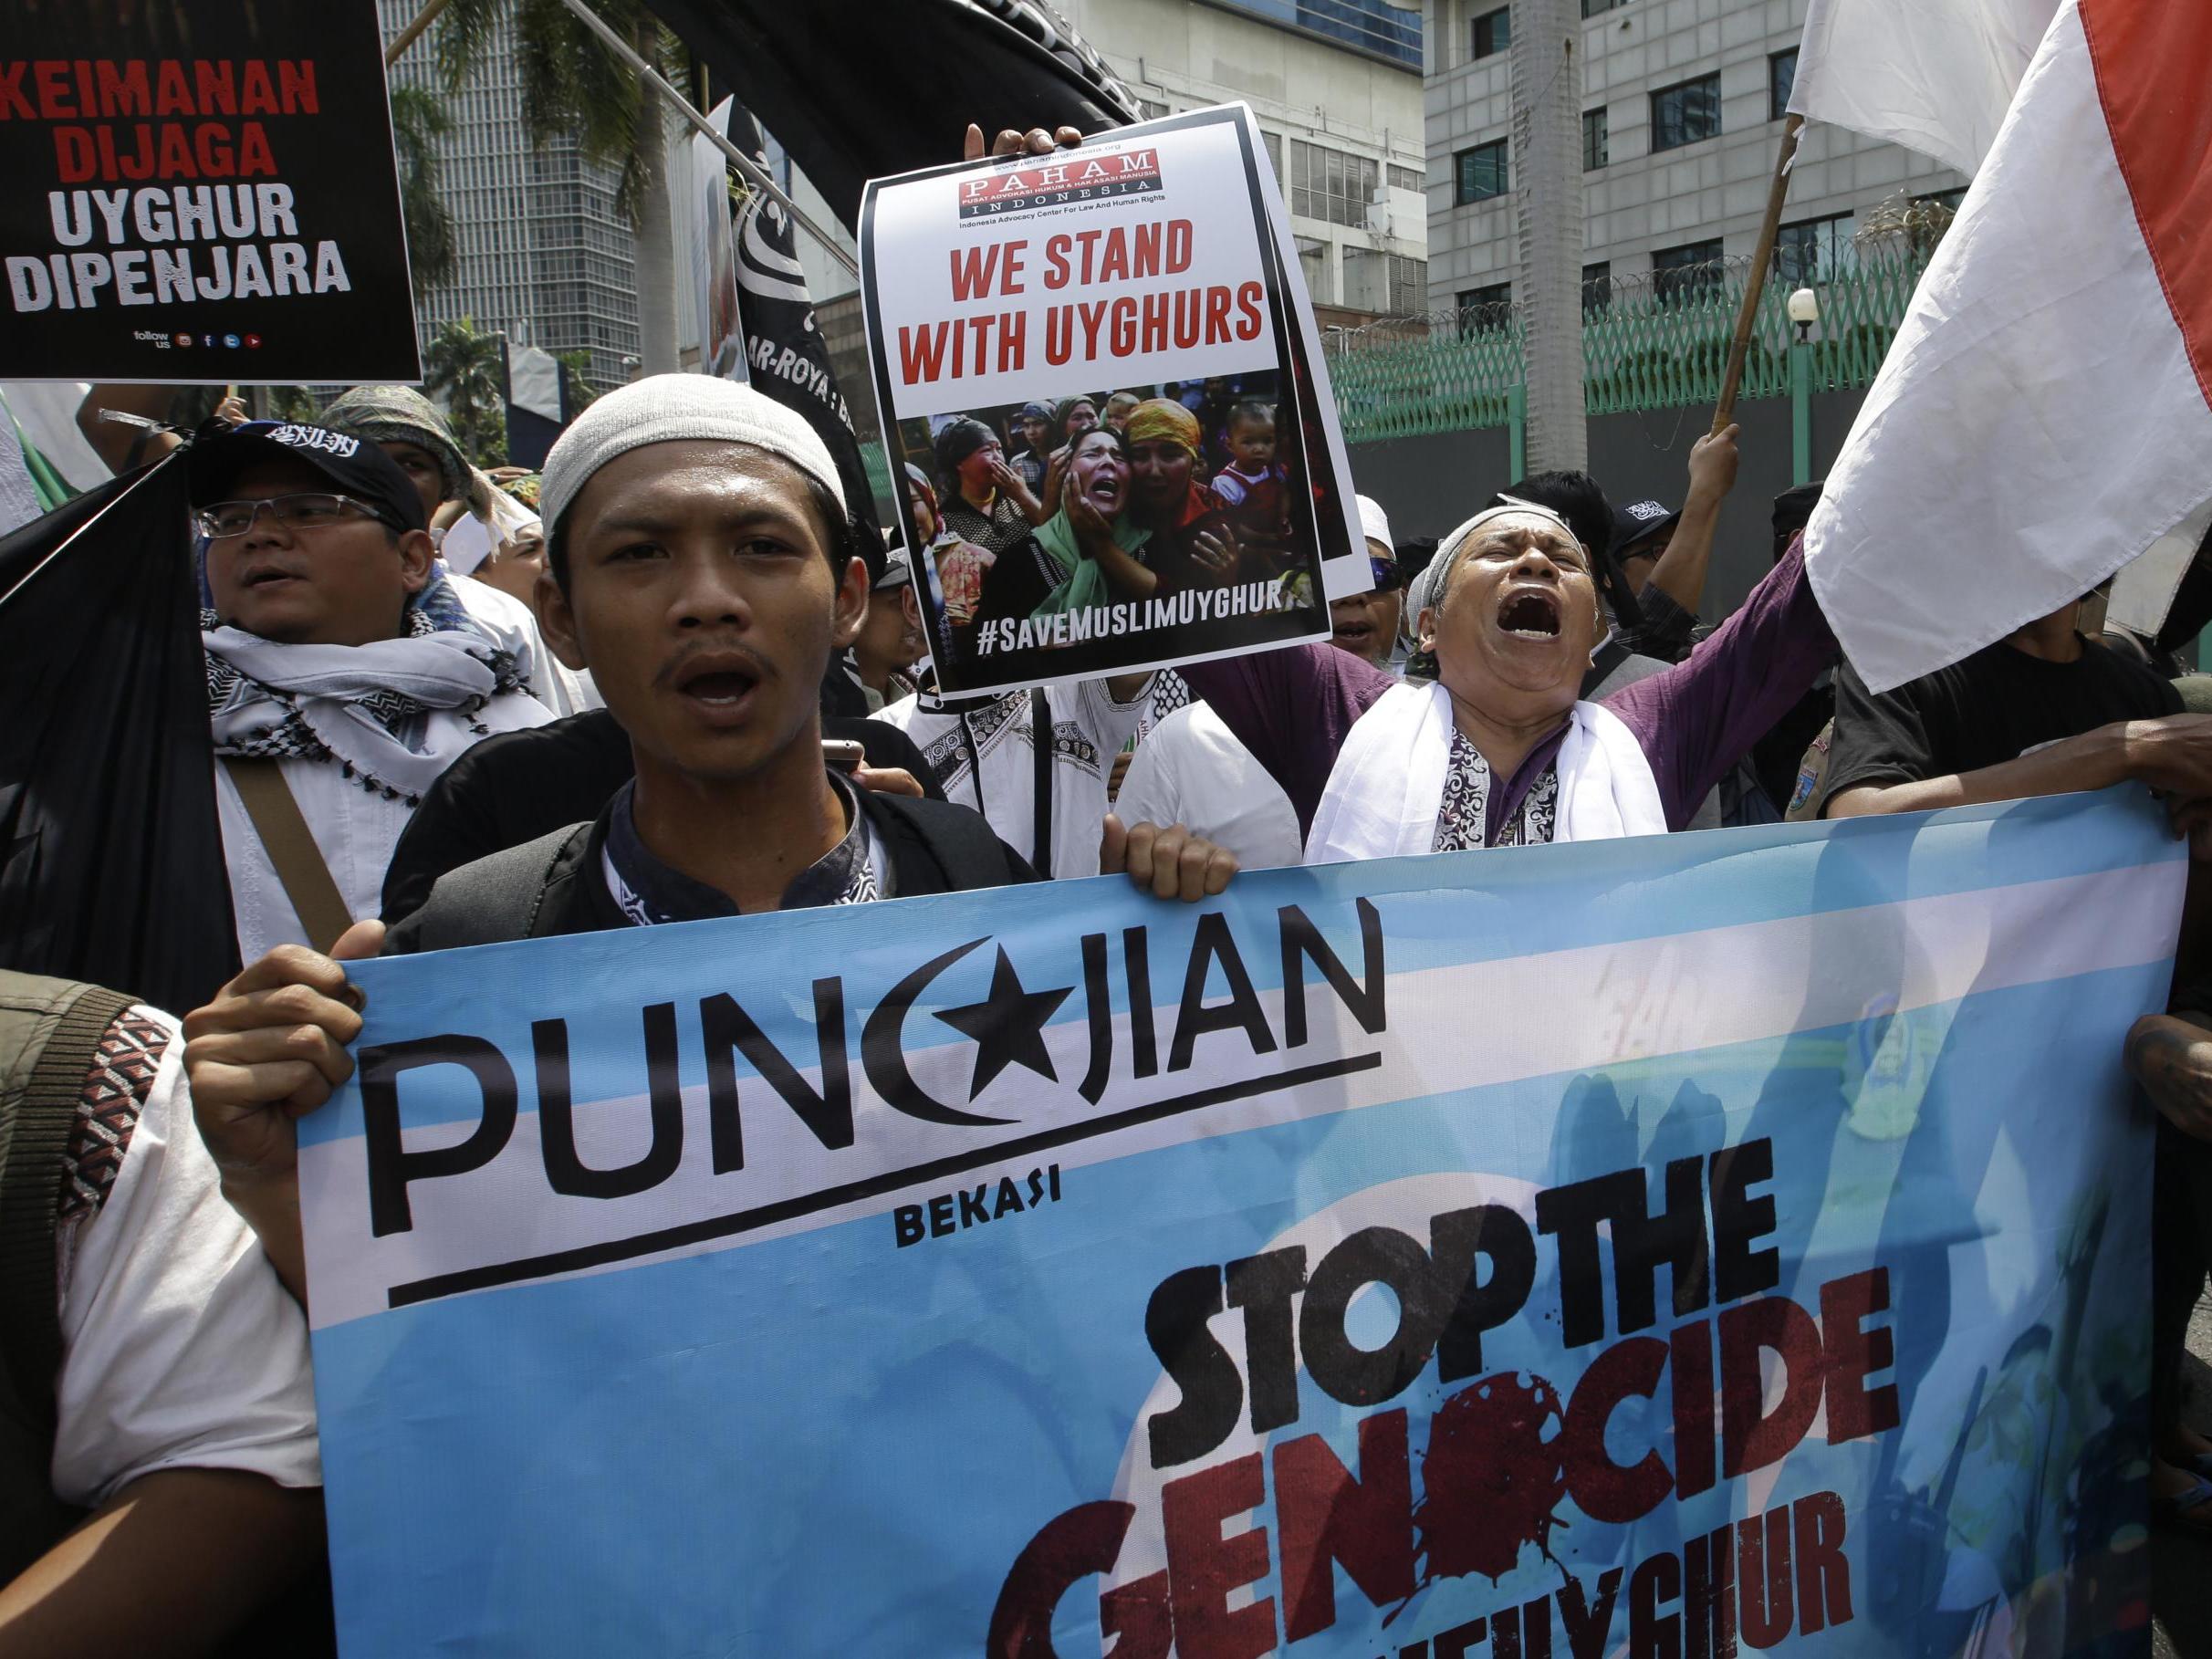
(1089, 729)
(354, 831)
(181, 1348)
(1191, 770)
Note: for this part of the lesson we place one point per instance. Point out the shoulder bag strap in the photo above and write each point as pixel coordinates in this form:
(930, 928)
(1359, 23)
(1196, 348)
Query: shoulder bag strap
(290, 845)
(1041, 747)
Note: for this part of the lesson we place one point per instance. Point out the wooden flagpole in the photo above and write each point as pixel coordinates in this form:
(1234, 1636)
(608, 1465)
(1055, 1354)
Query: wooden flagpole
(1755, 287)
(413, 32)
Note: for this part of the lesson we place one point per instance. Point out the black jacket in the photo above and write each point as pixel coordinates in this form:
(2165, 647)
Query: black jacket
(554, 884)
(519, 785)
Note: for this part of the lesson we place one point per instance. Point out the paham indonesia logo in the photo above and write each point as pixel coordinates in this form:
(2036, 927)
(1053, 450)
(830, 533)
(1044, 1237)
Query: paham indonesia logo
(1052, 183)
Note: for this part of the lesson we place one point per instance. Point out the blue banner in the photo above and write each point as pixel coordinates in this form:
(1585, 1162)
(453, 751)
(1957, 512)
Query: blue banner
(1669, 1247)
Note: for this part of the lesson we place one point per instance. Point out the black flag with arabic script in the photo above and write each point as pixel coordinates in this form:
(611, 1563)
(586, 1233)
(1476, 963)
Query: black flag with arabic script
(785, 355)
(110, 852)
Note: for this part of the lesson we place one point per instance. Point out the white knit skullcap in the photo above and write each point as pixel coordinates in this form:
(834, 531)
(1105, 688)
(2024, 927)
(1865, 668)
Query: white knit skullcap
(1447, 550)
(670, 407)
(1373, 525)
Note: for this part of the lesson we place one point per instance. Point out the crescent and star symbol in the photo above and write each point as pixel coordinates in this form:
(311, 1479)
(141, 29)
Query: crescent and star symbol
(1008, 1026)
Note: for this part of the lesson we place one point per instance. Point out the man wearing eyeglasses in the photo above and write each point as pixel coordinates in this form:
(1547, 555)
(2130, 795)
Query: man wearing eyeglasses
(343, 674)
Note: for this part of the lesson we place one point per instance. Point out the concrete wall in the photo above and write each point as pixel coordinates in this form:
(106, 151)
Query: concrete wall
(1429, 484)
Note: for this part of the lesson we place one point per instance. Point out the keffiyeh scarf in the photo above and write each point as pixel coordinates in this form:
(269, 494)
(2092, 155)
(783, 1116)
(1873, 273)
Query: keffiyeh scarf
(391, 715)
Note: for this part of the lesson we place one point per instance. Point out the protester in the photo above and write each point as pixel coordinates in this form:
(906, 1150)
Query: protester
(343, 672)
(704, 565)
(984, 752)
(1191, 770)
(158, 1372)
(507, 554)
(2046, 712)
(1778, 759)
(1665, 558)
(407, 426)
(891, 641)
(1374, 770)
(1119, 408)
(160, 416)
(2170, 1055)
(1368, 624)
(2041, 712)
(519, 785)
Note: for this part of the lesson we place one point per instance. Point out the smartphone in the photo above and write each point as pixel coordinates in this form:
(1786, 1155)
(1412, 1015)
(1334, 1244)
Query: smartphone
(842, 754)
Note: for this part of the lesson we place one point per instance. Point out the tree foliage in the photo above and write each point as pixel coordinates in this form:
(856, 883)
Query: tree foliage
(419, 119)
(467, 370)
(572, 86)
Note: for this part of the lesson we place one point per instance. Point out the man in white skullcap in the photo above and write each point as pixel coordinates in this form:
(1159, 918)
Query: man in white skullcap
(702, 565)
(1366, 624)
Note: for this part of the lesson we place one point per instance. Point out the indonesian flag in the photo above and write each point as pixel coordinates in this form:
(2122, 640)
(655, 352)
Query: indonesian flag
(2042, 416)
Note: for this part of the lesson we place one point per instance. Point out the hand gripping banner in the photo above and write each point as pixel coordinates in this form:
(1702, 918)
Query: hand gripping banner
(1669, 1247)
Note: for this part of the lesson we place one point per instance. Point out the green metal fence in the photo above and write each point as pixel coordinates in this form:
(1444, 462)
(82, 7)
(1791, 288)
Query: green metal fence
(1657, 341)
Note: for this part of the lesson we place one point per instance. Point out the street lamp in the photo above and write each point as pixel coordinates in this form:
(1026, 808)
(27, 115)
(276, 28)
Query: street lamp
(1804, 311)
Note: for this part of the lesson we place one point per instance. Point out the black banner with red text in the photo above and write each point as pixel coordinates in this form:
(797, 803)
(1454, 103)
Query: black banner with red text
(201, 195)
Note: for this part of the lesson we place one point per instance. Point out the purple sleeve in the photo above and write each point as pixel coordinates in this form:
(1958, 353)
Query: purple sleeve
(1291, 708)
(1701, 716)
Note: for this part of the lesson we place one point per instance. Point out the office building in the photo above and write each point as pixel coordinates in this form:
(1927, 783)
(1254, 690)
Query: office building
(544, 256)
(1682, 103)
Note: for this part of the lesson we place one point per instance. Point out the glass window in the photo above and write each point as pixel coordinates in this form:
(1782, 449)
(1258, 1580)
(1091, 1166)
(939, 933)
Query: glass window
(1814, 250)
(1481, 172)
(1597, 287)
(1685, 113)
(1492, 32)
(1781, 76)
(1408, 284)
(1590, 8)
(1372, 26)
(1150, 111)
(1405, 178)
(1486, 310)
(1687, 271)
(1330, 184)
(1594, 139)
(1273, 141)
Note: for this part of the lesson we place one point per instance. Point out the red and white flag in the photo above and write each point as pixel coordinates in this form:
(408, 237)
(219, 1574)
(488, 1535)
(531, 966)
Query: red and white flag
(2045, 411)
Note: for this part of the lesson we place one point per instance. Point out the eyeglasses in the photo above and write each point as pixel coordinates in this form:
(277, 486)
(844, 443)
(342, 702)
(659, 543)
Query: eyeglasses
(224, 519)
(1385, 572)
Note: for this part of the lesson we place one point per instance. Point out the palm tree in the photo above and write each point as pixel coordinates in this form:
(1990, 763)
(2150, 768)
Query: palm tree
(572, 87)
(468, 370)
(419, 119)
(576, 381)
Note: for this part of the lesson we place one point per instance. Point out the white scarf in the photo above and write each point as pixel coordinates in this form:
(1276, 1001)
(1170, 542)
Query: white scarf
(1387, 786)
(393, 712)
